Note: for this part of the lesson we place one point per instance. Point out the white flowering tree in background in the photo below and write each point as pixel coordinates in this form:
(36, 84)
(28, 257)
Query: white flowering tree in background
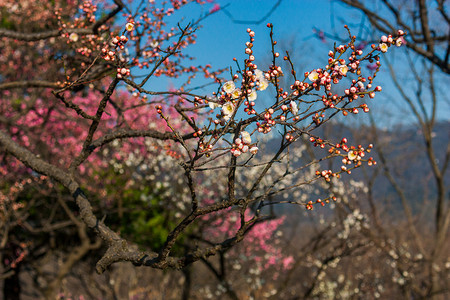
(93, 158)
(418, 256)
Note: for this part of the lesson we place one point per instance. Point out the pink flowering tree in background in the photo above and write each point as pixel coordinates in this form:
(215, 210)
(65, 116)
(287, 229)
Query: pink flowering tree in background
(93, 156)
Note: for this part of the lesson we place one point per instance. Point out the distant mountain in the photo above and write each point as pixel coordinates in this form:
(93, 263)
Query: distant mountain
(404, 150)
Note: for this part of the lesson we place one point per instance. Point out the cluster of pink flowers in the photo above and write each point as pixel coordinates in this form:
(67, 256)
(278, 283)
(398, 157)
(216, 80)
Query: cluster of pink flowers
(121, 72)
(352, 157)
(322, 202)
(387, 41)
(88, 9)
(243, 145)
(258, 245)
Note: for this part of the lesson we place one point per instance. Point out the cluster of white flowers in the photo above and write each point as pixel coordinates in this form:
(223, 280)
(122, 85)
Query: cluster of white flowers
(156, 168)
(243, 145)
(228, 110)
(262, 81)
(234, 93)
(353, 220)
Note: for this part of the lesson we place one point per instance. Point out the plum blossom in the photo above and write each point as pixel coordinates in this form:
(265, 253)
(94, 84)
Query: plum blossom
(236, 152)
(253, 150)
(213, 105)
(252, 96)
(383, 47)
(352, 155)
(259, 74)
(121, 72)
(73, 37)
(129, 26)
(154, 44)
(294, 107)
(263, 84)
(236, 93)
(361, 86)
(246, 139)
(261, 77)
(343, 69)
(400, 41)
(228, 109)
(229, 87)
(313, 76)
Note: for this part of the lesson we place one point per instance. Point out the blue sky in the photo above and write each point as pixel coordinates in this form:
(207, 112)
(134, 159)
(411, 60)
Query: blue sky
(221, 38)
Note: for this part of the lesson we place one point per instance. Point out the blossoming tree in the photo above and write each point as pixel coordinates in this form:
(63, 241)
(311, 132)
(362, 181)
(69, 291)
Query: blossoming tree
(79, 117)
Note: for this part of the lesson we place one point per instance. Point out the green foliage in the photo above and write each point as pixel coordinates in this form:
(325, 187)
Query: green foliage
(4, 21)
(145, 217)
(140, 212)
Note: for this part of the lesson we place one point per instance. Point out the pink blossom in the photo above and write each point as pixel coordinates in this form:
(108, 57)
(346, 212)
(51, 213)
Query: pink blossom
(287, 262)
(215, 8)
